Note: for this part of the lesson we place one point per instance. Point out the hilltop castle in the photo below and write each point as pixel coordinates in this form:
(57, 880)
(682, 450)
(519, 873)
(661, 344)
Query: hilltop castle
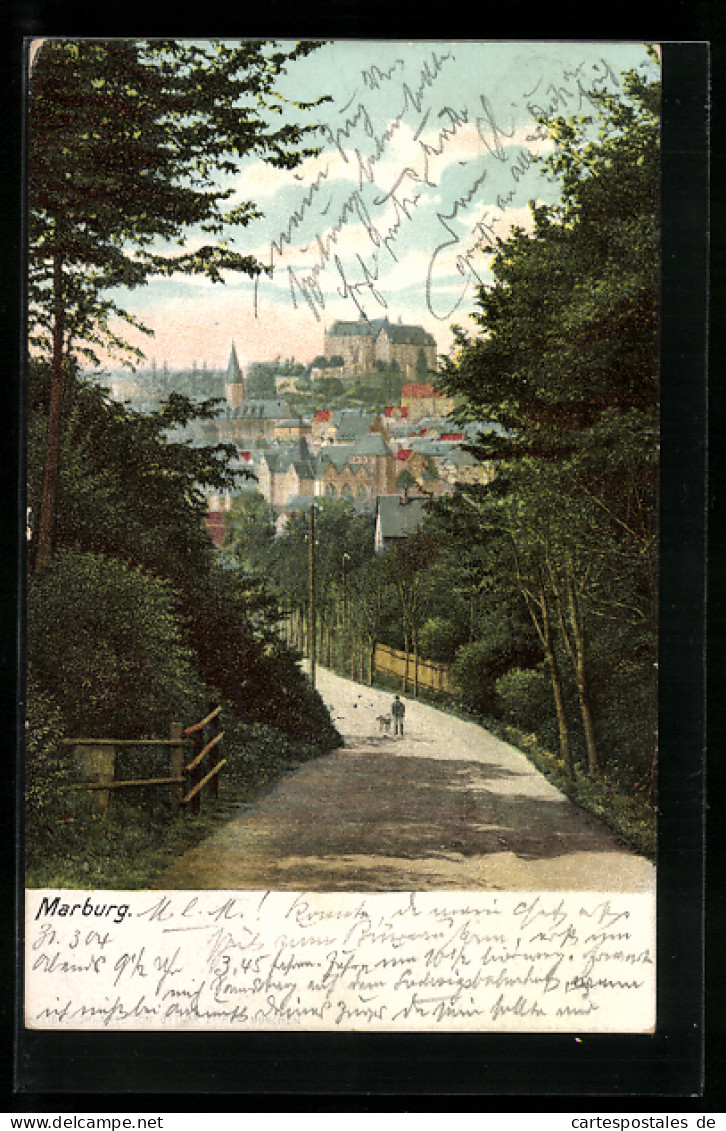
(363, 343)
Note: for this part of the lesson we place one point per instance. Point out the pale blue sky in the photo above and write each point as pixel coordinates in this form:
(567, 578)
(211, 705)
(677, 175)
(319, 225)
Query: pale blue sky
(427, 147)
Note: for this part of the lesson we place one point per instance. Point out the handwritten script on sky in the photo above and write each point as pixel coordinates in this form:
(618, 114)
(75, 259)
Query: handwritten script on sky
(428, 152)
(427, 156)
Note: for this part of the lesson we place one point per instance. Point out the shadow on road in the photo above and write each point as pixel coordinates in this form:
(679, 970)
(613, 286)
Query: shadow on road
(412, 808)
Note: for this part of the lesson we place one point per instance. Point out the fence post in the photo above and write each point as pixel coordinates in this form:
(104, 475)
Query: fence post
(176, 763)
(196, 772)
(97, 765)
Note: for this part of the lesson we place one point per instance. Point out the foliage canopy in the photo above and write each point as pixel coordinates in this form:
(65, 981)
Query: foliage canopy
(131, 147)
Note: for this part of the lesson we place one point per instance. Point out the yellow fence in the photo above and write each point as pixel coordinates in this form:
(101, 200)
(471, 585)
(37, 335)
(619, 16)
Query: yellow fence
(399, 665)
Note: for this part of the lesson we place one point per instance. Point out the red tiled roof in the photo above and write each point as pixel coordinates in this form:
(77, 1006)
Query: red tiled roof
(404, 454)
(322, 415)
(452, 435)
(419, 391)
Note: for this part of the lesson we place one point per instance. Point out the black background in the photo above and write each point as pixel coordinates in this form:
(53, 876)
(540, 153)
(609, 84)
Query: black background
(683, 1066)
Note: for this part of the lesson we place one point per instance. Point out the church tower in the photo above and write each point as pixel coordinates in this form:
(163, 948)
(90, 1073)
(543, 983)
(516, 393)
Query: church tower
(234, 382)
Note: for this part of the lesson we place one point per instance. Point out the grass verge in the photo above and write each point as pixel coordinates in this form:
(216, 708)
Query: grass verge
(129, 847)
(626, 811)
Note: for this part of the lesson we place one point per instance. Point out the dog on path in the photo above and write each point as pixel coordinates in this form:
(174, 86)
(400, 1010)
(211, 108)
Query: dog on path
(384, 723)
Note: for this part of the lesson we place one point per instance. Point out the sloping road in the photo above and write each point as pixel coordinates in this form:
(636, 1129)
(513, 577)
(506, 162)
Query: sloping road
(445, 806)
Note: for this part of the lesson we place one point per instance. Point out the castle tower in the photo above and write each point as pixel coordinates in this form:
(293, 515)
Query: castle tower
(234, 382)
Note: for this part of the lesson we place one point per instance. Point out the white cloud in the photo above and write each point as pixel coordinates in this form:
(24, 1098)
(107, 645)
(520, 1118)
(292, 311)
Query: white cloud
(257, 179)
(426, 155)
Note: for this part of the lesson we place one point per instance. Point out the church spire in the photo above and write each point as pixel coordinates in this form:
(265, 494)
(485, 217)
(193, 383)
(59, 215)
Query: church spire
(234, 382)
(234, 372)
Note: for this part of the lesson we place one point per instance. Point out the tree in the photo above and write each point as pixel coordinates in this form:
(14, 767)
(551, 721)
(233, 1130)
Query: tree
(329, 388)
(250, 533)
(440, 639)
(407, 564)
(106, 643)
(371, 596)
(527, 519)
(392, 384)
(126, 487)
(344, 541)
(343, 548)
(566, 362)
(261, 380)
(405, 481)
(422, 367)
(472, 576)
(127, 140)
(569, 328)
(137, 612)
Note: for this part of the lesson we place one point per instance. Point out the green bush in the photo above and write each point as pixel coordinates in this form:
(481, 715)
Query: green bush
(256, 753)
(626, 719)
(48, 801)
(505, 640)
(285, 700)
(525, 699)
(473, 676)
(238, 652)
(106, 645)
(439, 640)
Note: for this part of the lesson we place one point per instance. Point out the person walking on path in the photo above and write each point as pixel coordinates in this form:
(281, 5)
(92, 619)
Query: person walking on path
(398, 711)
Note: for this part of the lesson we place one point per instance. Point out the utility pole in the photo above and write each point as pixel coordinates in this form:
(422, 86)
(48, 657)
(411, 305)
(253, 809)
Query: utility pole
(311, 591)
(346, 558)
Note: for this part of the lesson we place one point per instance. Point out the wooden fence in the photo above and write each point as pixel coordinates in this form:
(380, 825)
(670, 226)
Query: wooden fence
(210, 751)
(411, 669)
(96, 763)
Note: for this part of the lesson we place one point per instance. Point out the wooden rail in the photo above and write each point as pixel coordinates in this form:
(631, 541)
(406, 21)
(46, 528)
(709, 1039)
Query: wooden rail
(125, 784)
(96, 758)
(210, 751)
(204, 722)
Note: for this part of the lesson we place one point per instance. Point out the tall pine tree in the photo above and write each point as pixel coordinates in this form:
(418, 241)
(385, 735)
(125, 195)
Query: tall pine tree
(128, 141)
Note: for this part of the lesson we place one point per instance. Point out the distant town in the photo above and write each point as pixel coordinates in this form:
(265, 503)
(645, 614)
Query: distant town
(362, 422)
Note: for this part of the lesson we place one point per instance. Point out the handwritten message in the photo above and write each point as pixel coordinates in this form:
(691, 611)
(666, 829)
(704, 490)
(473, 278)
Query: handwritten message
(414, 182)
(510, 961)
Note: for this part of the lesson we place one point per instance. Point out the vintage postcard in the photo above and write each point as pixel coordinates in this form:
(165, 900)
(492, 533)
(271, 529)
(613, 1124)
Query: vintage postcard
(342, 536)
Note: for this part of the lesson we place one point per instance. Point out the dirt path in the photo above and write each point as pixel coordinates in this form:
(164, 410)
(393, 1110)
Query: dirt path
(445, 806)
